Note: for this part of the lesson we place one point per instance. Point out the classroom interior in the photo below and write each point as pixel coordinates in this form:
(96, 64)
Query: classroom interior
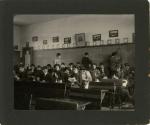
(58, 44)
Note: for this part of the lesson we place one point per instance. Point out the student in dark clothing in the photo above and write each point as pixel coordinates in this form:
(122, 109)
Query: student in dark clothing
(115, 61)
(86, 62)
(63, 66)
(65, 75)
(31, 72)
(95, 73)
(38, 73)
(46, 76)
(49, 67)
(56, 74)
(104, 73)
(21, 74)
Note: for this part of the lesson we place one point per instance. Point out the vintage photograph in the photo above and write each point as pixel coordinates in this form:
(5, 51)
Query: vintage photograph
(94, 71)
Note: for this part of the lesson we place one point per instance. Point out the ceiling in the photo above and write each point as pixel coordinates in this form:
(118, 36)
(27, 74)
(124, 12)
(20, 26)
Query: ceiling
(30, 19)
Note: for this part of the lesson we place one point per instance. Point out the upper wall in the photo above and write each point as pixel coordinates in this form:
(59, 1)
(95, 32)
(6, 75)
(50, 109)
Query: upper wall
(96, 54)
(74, 24)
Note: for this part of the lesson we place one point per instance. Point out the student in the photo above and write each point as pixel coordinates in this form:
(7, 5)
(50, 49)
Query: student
(74, 78)
(21, 74)
(103, 72)
(71, 65)
(63, 66)
(56, 74)
(85, 78)
(115, 61)
(95, 73)
(124, 92)
(38, 74)
(86, 62)
(31, 72)
(49, 67)
(57, 59)
(46, 76)
(66, 75)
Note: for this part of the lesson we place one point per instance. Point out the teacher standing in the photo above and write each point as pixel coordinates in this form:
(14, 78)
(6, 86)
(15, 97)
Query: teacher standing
(58, 59)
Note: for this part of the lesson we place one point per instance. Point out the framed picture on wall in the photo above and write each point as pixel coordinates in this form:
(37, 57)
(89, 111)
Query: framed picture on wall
(80, 37)
(96, 37)
(125, 40)
(113, 33)
(55, 39)
(34, 38)
(67, 40)
(44, 42)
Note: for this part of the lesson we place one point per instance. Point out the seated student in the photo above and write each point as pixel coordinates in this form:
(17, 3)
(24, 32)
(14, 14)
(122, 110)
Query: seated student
(115, 60)
(95, 73)
(129, 74)
(31, 72)
(131, 82)
(103, 72)
(78, 65)
(62, 66)
(119, 70)
(56, 74)
(85, 78)
(16, 78)
(126, 70)
(71, 65)
(49, 67)
(46, 76)
(38, 73)
(21, 74)
(65, 75)
(86, 62)
(74, 78)
(125, 95)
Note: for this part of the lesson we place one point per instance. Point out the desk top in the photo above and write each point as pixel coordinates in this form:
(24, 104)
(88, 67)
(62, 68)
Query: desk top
(68, 100)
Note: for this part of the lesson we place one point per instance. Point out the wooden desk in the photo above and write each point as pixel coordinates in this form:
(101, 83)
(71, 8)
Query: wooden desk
(60, 104)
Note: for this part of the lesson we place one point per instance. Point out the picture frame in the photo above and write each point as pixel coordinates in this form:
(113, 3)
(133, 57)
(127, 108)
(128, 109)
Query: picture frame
(80, 37)
(67, 40)
(55, 39)
(96, 37)
(113, 33)
(44, 42)
(34, 38)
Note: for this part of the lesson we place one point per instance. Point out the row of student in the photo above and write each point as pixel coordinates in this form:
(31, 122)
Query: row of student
(76, 75)
(71, 73)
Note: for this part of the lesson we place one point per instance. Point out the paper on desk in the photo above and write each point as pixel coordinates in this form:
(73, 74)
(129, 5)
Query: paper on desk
(125, 82)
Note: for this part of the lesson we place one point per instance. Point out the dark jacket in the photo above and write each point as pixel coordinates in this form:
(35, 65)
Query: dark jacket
(86, 62)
